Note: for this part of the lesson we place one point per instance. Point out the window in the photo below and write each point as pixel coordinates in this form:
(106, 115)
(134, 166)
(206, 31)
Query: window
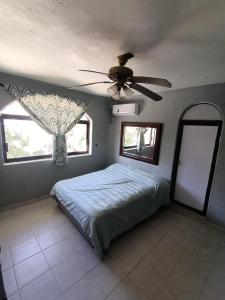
(24, 140)
(131, 137)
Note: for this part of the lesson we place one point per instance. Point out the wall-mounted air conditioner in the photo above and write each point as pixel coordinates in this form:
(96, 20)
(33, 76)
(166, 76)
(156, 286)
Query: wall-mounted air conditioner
(129, 109)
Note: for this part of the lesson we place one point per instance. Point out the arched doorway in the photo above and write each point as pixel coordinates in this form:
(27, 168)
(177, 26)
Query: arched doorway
(195, 156)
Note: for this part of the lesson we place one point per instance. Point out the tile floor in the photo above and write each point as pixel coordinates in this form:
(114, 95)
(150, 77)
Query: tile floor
(171, 256)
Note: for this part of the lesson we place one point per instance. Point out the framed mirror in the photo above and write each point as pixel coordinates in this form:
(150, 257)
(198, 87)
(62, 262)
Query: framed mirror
(141, 141)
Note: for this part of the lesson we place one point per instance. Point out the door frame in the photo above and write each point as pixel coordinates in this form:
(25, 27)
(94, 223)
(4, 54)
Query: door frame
(182, 123)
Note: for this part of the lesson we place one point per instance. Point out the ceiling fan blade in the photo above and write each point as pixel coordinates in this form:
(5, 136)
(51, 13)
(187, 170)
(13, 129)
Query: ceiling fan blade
(152, 80)
(91, 71)
(144, 91)
(91, 83)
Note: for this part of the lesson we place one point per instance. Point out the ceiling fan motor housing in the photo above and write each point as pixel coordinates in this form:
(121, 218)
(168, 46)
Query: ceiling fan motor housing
(122, 59)
(123, 79)
(120, 74)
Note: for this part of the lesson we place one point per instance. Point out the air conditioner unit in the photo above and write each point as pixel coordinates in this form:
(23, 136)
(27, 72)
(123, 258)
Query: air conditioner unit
(129, 109)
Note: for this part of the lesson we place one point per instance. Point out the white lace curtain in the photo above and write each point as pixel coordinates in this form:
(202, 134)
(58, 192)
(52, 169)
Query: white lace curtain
(55, 114)
(141, 139)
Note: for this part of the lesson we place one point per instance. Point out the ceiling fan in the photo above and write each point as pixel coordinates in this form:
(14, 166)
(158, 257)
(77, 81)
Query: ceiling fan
(123, 79)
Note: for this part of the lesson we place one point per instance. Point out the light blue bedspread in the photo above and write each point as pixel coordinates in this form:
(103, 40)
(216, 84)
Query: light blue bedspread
(109, 202)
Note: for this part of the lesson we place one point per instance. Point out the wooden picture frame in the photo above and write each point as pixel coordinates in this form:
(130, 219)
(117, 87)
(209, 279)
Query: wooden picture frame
(154, 159)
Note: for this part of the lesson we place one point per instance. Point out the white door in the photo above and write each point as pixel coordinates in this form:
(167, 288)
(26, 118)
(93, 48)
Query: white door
(194, 166)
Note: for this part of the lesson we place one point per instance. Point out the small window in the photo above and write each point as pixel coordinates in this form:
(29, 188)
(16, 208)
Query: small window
(77, 138)
(24, 140)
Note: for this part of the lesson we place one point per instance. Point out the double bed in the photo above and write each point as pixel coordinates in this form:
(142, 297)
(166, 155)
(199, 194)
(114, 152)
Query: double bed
(106, 203)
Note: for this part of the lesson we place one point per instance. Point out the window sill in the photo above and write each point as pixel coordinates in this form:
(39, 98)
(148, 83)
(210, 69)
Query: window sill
(79, 155)
(43, 159)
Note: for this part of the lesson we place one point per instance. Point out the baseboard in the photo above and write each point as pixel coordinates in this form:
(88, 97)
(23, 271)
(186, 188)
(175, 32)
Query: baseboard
(197, 217)
(22, 203)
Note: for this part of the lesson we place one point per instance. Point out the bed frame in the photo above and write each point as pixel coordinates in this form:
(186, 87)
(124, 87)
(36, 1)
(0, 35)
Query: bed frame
(77, 225)
(73, 220)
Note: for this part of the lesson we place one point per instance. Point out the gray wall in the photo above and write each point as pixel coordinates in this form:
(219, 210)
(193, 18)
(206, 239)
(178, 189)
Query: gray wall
(19, 182)
(168, 112)
(22, 181)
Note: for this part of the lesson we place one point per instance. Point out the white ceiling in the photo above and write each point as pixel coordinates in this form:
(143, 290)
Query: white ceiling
(49, 40)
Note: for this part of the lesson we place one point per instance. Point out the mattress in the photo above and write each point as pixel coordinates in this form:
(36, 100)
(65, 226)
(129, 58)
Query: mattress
(109, 202)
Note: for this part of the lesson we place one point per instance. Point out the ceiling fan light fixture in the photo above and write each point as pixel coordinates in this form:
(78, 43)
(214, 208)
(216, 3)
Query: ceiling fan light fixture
(125, 83)
(112, 90)
(116, 96)
(128, 92)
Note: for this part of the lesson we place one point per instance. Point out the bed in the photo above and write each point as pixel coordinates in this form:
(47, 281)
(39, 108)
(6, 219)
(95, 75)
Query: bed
(107, 203)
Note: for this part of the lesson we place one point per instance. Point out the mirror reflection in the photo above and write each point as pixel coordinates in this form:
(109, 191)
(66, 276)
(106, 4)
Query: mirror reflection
(140, 141)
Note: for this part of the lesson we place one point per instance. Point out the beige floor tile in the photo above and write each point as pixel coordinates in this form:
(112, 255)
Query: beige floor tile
(4, 225)
(147, 277)
(211, 293)
(15, 296)
(5, 259)
(141, 240)
(219, 258)
(183, 231)
(85, 289)
(44, 287)
(3, 235)
(215, 283)
(60, 297)
(18, 238)
(49, 238)
(146, 234)
(164, 255)
(209, 234)
(204, 244)
(152, 271)
(76, 241)
(127, 290)
(24, 251)
(187, 277)
(9, 281)
(66, 229)
(168, 257)
(61, 250)
(126, 251)
(18, 225)
(105, 278)
(122, 262)
(30, 269)
(88, 255)
(167, 293)
(60, 218)
(57, 253)
(162, 222)
(42, 226)
(70, 270)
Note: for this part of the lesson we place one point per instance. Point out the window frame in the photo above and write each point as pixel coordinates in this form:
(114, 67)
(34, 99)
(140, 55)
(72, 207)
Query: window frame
(35, 157)
(87, 139)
